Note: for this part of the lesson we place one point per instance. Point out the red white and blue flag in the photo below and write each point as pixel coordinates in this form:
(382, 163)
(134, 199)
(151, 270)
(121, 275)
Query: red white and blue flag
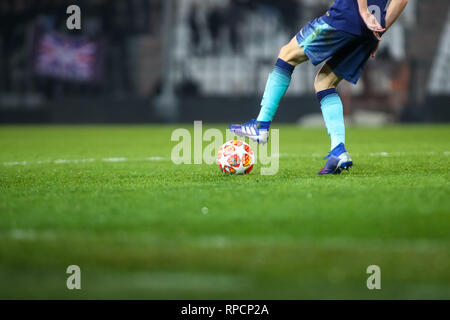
(67, 57)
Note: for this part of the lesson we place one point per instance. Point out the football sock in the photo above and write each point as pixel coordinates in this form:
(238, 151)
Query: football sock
(276, 87)
(333, 115)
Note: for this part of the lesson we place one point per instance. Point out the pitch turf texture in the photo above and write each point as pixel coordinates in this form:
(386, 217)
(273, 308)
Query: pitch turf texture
(136, 226)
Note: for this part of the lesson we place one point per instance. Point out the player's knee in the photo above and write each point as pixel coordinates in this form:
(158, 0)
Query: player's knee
(292, 53)
(321, 84)
(285, 53)
(325, 79)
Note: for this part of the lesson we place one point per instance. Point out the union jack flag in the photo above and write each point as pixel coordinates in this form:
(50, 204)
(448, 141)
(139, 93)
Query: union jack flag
(66, 57)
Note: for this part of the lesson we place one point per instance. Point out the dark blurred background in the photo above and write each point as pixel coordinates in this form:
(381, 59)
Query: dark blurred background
(146, 61)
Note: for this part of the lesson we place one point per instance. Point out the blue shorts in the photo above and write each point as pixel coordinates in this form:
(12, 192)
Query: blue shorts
(347, 53)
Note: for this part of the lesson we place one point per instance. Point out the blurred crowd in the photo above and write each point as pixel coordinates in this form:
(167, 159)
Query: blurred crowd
(224, 23)
(112, 23)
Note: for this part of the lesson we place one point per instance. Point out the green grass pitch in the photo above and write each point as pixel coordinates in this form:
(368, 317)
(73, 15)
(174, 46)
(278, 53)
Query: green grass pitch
(136, 227)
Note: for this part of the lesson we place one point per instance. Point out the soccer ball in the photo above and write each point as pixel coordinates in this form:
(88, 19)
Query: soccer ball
(235, 157)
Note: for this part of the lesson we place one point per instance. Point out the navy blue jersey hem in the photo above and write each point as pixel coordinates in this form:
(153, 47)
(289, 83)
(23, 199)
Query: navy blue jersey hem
(344, 15)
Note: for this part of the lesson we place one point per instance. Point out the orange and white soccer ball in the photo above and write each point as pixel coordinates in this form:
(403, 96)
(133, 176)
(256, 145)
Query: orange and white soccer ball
(235, 157)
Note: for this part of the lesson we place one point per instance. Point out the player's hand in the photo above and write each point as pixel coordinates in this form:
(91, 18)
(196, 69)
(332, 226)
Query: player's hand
(372, 24)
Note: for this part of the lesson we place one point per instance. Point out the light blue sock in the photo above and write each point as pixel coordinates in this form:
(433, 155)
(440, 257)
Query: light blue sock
(333, 115)
(276, 87)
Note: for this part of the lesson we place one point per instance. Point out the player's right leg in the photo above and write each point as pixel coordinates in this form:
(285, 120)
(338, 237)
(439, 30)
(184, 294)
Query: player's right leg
(277, 84)
(346, 63)
(325, 85)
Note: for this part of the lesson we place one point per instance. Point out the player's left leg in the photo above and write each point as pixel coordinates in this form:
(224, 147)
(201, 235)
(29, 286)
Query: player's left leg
(291, 55)
(325, 85)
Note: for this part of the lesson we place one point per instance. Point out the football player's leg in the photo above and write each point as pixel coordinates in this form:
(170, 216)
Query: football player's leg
(332, 110)
(279, 79)
(277, 84)
(292, 53)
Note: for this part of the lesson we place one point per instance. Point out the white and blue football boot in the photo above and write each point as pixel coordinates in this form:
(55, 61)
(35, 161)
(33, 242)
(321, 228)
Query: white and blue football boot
(337, 160)
(254, 130)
